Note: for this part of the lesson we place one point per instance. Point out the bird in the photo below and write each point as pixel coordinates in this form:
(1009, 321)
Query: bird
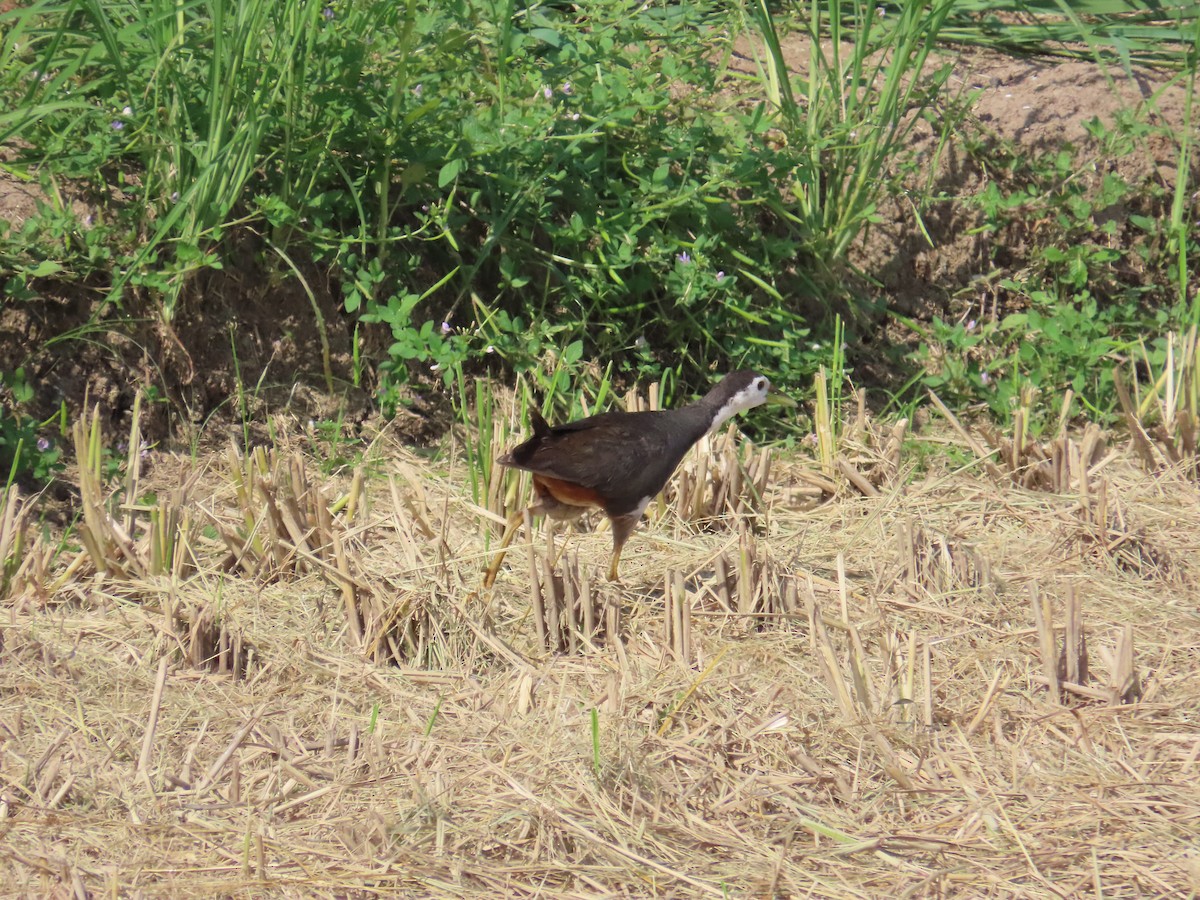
(619, 461)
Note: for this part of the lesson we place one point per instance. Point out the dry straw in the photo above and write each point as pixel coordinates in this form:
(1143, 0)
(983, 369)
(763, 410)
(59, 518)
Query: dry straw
(952, 685)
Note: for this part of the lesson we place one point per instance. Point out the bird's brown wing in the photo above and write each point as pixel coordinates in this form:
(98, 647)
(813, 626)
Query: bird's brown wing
(616, 455)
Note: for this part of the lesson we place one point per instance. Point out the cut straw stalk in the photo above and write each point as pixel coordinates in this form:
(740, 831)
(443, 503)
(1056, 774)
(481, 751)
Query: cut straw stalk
(160, 683)
(677, 627)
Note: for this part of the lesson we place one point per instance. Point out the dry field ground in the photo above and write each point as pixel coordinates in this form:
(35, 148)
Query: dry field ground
(942, 666)
(974, 679)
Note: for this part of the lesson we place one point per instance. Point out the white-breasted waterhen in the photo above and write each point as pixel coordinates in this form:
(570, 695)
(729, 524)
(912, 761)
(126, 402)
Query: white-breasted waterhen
(619, 461)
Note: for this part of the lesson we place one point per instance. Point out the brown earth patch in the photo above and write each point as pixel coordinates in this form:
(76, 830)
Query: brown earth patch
(243, 346)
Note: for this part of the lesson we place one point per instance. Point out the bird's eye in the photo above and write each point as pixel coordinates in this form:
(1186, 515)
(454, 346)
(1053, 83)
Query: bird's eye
(760, 384)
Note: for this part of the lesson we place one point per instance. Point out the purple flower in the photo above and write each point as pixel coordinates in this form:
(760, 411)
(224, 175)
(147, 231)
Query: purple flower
(447, 328)
(43, 444)
(567, 89)
(971, 325)
(985, 377)
(684, 258)
(118, 125)
(328, 13)
(547, 93)
(418, 90)
(720, 277)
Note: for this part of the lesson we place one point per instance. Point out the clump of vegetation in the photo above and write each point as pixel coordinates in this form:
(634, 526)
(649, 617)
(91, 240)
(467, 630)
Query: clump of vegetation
(1088, 270)
(26, 450)
(486, 182)
(480, 179)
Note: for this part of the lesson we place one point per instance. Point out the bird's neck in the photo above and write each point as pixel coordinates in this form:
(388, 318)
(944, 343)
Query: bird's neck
(720, 409)
(707, 415)
(720, 416)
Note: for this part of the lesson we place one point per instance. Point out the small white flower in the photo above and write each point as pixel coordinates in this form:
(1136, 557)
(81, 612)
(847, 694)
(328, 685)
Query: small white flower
(127, 111)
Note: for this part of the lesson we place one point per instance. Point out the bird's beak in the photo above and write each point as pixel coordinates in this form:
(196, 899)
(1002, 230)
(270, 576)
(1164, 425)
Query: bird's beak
(774, 398)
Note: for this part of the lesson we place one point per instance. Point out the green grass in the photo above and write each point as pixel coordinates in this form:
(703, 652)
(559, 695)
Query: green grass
(1126, 32)
(480, 179)
(1104, 277)
(520, 189)
(865, 91)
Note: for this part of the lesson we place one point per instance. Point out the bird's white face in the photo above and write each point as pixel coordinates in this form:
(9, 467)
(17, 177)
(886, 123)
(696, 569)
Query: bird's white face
(752, 395)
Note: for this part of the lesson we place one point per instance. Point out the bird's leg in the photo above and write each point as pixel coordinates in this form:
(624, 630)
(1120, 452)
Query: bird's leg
(510, 532)
(622, 527)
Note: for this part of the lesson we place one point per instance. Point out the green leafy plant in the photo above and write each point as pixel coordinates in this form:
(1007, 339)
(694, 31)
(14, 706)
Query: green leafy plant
(26, 453)
(1050, 347)
(484, 181)
(1085, 265)
(599, 208)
